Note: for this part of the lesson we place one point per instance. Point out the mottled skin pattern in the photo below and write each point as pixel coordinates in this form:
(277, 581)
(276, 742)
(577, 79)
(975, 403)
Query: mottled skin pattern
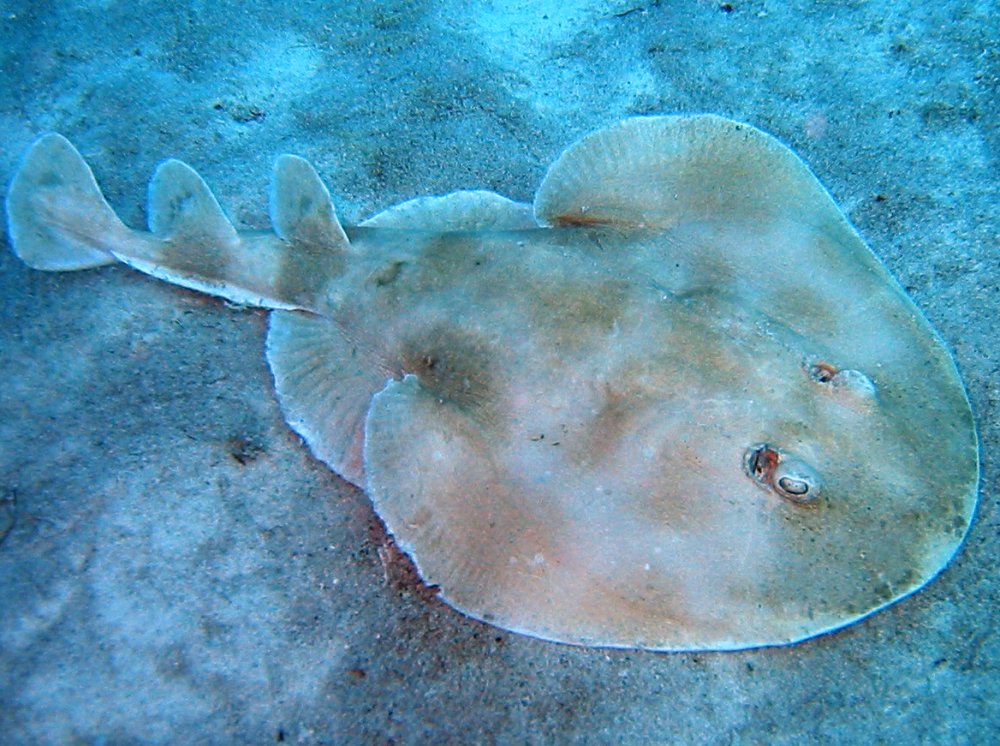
(683, 407)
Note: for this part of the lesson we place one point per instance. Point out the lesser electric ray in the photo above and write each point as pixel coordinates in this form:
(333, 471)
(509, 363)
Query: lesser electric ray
(676, 404)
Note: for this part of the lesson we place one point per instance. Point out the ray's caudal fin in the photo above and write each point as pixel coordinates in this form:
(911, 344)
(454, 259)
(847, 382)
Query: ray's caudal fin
(58, 220)
(57, 217)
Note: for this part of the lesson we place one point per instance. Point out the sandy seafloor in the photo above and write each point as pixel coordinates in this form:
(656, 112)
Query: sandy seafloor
(179, 569)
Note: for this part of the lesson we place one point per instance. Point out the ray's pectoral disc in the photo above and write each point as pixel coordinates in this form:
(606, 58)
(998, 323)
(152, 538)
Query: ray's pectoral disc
(666, 459)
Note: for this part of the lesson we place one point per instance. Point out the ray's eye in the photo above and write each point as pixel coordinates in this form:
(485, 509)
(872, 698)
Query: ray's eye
(822, 372)
(791, 477)
(851, 387)
(761, 462)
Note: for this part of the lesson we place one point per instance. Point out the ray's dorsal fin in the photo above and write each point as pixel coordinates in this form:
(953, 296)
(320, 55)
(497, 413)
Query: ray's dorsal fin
(300, 205)
(459, 211)
(183, 210)
(199, 248)
(654, 172)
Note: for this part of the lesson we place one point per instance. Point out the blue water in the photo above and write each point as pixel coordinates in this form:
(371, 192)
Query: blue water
(175, 567)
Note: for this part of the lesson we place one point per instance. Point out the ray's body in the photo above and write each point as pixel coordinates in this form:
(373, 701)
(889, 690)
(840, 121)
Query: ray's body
(675, 404)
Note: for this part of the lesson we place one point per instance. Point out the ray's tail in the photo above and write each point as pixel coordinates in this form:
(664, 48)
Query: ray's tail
(56, 215)
(59, 220)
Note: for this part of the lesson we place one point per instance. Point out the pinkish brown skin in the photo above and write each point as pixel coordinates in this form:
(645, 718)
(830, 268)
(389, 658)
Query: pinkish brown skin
(554, 420)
